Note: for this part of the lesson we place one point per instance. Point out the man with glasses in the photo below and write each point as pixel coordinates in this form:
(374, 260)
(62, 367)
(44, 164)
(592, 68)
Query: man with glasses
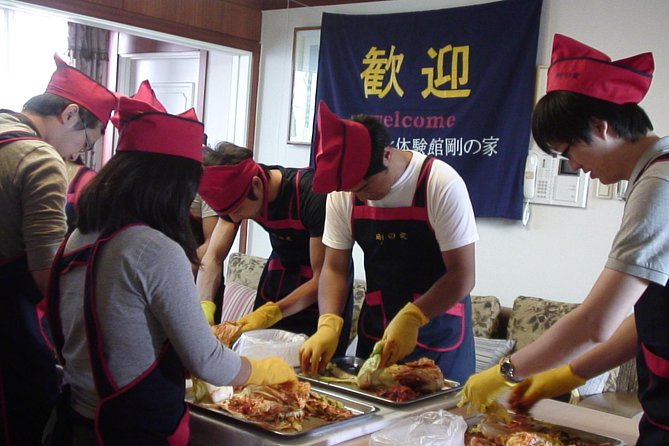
(412, 217)
(591, 116)
(69, 117)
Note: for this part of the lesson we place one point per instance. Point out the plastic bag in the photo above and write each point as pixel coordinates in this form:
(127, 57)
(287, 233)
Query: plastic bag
(440, 428)
(261, 344)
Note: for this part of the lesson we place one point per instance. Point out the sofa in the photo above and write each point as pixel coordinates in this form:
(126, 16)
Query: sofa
(498, 331)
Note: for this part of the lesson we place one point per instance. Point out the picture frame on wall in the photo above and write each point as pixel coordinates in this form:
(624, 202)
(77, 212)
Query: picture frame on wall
(306, 45)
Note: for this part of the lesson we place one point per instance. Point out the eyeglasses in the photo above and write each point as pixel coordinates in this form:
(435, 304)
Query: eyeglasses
(88, 144)
(564, 154)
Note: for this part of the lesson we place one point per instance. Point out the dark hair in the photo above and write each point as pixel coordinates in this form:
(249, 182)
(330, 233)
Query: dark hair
(48, 104)
(566, 117)
(150, 188)
(226, 154)
(380, 140)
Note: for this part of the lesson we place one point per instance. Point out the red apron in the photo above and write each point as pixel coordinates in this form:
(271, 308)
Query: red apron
(289, 264)
(148, 411)
(402, 261)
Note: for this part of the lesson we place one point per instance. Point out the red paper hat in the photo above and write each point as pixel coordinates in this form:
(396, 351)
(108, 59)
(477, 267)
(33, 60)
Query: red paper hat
(145, 126)
(577, 67)
(225, 187)
(70, 83)
(343, 152)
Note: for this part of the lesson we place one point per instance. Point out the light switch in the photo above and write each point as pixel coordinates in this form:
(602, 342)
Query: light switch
(604, 191)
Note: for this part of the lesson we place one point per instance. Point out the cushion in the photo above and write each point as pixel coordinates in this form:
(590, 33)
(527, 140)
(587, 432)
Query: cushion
(531, 316)
(623, 378)
(237, 301)
(244, 269)
(485, 315)
(490, 351)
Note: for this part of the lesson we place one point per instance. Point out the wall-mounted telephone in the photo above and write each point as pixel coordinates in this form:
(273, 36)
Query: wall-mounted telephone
(529, 186)
(550, 180)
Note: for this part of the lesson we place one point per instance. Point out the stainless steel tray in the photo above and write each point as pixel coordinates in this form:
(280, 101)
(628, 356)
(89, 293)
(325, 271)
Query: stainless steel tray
(352, 365)
(309, 425)
(573, 434)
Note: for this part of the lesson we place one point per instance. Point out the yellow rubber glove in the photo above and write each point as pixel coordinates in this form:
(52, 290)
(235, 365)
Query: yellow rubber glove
(318, 350)
(270, 371)
(263, 317)
(208, 308)
(482, 389)
(548, 384)
(401, 334)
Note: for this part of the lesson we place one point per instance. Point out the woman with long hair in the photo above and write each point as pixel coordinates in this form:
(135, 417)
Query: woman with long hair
(123, 306)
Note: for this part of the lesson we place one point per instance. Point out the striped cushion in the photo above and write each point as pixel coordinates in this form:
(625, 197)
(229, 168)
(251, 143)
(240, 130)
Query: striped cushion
(237, 301)
(490, 351)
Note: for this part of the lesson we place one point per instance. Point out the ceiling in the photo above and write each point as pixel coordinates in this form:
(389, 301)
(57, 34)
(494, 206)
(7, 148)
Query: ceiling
(287, 4)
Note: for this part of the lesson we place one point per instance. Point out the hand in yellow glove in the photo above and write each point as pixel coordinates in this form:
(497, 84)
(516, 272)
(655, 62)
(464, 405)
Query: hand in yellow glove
(208, 308)
(318, 350)
(263, 317)
(401, 334)
(482, 389)
(270, 371)
(546, 384)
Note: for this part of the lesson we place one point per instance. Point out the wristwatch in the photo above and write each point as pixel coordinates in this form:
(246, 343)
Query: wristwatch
(507, 370)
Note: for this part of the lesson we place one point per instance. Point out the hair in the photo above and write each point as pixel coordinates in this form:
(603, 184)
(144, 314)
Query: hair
(380, 140)
(151, 188)
(566, 117)
(48, 104)
(226, 153)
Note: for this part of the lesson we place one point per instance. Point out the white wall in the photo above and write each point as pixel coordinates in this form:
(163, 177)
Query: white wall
(562, 250)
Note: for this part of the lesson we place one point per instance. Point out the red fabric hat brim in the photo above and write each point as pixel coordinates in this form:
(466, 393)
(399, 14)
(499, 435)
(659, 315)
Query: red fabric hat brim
(578, 68)
(144, 126)
(70, 83)
(224, 188)
(343, 152)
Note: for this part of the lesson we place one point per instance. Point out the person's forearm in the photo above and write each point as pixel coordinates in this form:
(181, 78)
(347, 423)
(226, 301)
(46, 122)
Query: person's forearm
(621, 347)
(332, 293)
(560, 344)
(608, 304)
(209, 278)
(300, 298)
(446, 292)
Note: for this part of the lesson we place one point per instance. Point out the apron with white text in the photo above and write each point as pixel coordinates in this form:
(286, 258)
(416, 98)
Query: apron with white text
(402, 261)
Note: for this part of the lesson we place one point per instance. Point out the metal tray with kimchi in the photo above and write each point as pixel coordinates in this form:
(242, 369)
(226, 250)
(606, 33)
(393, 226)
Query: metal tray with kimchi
(529, 431)
(351, 365)
(309, 425)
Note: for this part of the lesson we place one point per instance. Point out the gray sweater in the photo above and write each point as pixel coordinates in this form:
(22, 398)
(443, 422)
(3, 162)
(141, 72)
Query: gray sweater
(146, 296)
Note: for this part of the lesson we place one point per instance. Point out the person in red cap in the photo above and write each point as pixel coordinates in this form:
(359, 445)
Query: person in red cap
(282, 201)
(123, 307)
(412, 217)
(69, 117)
(590, 116)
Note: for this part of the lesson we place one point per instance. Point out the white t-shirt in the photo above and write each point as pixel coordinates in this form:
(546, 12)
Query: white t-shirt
(449, 207)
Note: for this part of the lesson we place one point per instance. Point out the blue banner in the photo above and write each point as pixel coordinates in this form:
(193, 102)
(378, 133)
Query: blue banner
(455, 83)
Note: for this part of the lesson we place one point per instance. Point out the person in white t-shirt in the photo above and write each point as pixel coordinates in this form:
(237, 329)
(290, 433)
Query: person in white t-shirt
(412, 217)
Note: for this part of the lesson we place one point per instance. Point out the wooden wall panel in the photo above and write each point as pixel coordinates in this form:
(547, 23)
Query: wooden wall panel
(232, 23)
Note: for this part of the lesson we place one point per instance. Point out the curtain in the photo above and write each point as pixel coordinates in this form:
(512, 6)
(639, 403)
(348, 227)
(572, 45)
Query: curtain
(88, 49)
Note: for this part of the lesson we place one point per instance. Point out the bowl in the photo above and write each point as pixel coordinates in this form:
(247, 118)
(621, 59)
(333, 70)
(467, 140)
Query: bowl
(262, 344)
(349, 364)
